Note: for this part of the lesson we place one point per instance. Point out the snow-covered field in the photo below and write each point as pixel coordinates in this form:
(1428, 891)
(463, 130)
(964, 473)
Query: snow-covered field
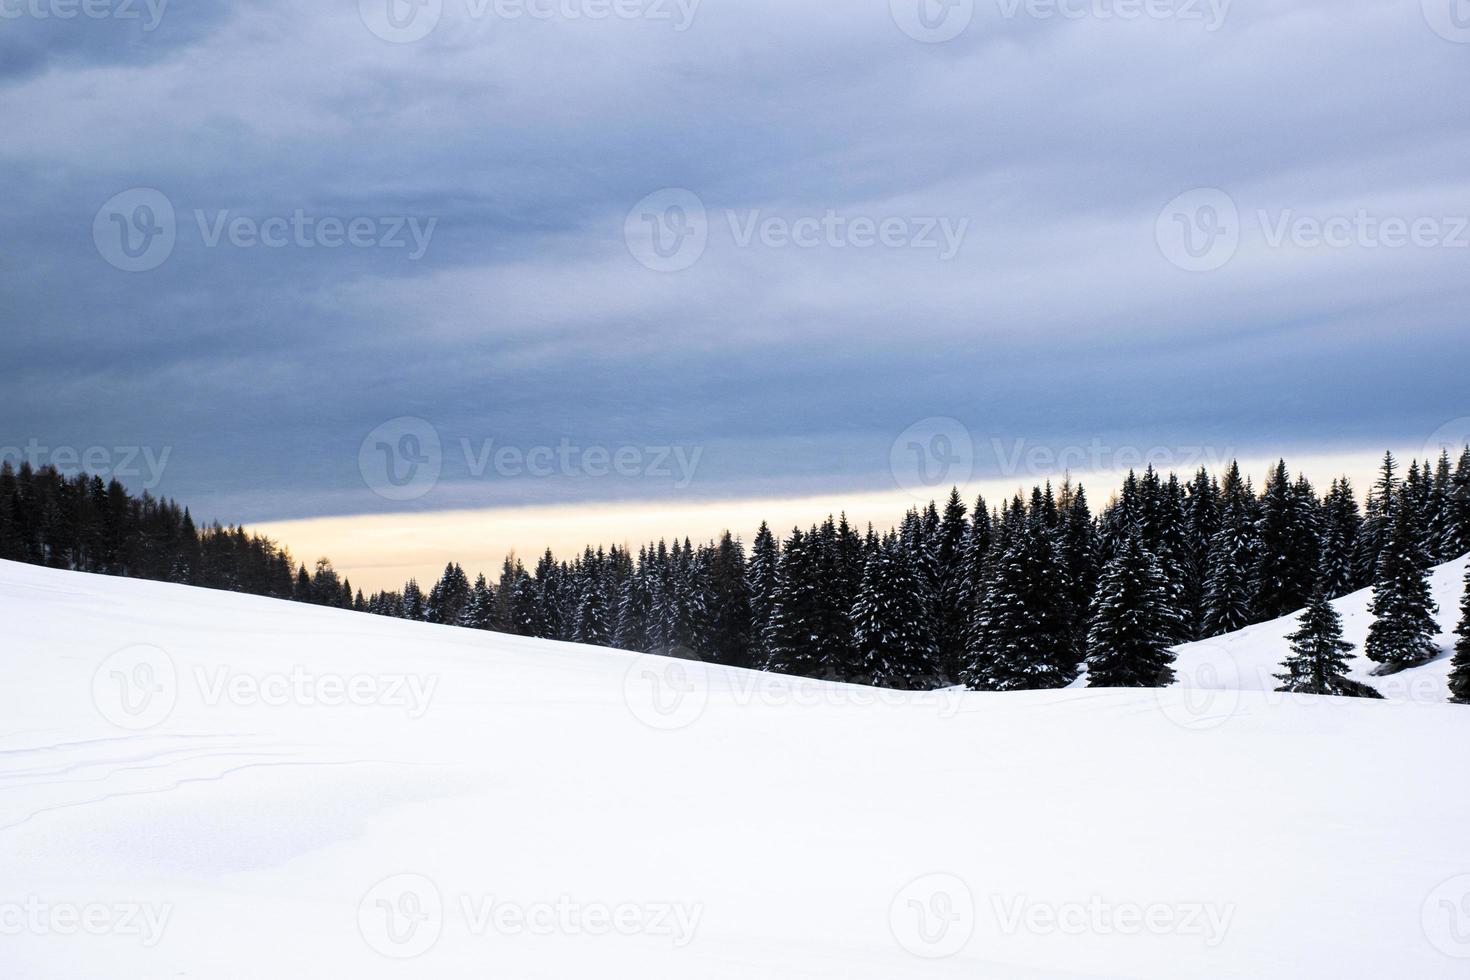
(220, 787)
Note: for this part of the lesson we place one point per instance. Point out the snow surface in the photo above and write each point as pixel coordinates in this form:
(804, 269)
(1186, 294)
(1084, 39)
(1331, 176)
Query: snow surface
(161, 817)
(1250, 658)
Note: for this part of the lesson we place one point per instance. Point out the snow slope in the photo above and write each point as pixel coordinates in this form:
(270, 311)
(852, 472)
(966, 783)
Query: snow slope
(220, 787)
(1250, 658)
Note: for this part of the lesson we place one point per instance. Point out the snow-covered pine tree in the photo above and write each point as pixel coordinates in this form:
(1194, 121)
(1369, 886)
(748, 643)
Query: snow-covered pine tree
(1460, 665)
(761, 576)
(1229, 598)
(448, 597)
(593, 624)
(1201, 521)
(1456, 539)
(525, 600)
(954, 532)
(1077, 551)
(839, 555)
(794, 634)
(1132, 620)
(1340, 522)
(726, 630)
(1403, 629)
(1318, 662)
(631, 631)
(1287, 548)
(1416, 496)
(479, 612)
(1441, 488)
(1377, 520)
(1020, 638)
(413, 601)
(893, 629)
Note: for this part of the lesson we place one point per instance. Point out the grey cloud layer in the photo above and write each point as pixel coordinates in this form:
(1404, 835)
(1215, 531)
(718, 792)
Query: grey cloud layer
(1058, 140)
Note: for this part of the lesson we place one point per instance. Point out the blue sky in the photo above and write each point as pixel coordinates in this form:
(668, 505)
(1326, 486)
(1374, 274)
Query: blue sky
(497, 172)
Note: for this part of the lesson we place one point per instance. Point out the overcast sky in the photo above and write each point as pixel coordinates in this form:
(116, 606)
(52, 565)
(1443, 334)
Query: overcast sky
(341, 258)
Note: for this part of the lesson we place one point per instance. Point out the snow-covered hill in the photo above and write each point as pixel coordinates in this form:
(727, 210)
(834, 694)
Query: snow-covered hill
(1250, 658)
(221, 787)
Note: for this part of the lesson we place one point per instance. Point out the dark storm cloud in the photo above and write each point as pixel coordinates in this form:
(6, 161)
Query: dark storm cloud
(489, 167)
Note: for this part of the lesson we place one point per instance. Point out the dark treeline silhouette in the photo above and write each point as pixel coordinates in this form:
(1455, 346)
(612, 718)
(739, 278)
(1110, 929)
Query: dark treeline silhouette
(1014, 597)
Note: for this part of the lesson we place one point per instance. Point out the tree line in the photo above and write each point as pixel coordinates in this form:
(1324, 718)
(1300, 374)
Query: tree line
(1015, 597)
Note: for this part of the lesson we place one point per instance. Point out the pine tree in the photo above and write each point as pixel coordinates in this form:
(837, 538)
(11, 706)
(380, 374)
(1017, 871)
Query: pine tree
(1287, 549)
(1460, 665)
(1077, 551)
(1437, 522)
(593, 624)
(1202, 520)
(1020, 639)
(1403, 629)
(634, 603)
(1132, 620)
(479, 612)
(892, 626)
(1340, 522)
(1456, 536)
(1318, 663)
(726, 630)
(413, 601)
(1229, 597)
(794, 635)
(761, 577)
(448, 597)
(1377, 520)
